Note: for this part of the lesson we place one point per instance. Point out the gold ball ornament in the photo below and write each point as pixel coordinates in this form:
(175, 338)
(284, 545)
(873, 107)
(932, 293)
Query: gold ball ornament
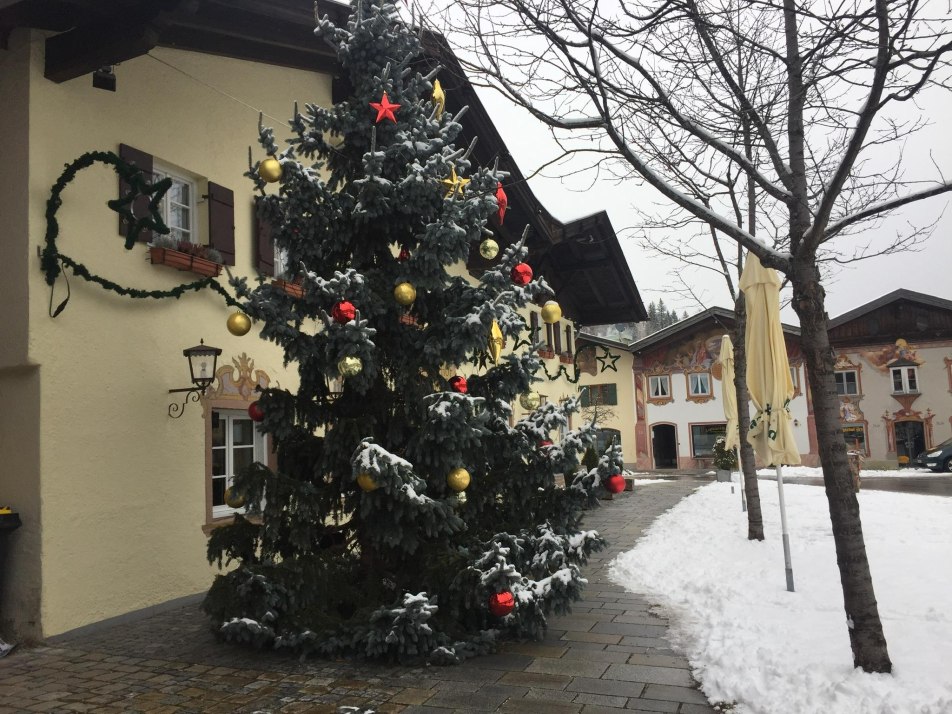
(367, 483)
(489, 249)
(551, 312)
(233, 499)
(350, 366)
(458, 479)
(404, 294)
(238, 324)
(270, 170)
(530, 400)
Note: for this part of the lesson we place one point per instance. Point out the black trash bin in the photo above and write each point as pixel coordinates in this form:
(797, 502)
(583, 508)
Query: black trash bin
(9, 522)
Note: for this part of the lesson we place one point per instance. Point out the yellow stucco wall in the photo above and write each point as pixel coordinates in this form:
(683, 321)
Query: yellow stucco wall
(122, 484)
(19, 380)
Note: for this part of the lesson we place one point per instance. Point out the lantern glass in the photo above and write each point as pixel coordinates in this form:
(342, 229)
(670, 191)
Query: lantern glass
(202, 362)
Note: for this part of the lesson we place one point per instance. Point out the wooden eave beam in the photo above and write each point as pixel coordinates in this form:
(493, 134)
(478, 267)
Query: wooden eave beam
(85, 49)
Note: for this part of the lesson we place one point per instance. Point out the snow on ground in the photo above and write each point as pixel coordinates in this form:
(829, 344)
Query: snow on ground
(751, 642)
(807, 471)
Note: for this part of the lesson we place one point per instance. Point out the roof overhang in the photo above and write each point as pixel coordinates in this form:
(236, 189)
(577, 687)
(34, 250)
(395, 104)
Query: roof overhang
(581, 259)
(87, 34)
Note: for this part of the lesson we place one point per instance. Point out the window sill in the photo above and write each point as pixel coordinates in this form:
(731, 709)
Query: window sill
(217, 523)
(184, 261)
(547, 354)
(660, 401)
(566, 358)
(700, 398)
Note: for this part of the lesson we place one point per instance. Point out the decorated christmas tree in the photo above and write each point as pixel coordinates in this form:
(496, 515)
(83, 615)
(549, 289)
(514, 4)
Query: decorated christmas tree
(408, 516)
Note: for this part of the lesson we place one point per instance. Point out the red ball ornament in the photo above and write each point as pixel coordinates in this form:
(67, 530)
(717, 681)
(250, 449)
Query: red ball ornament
(255, 412)
(458, 384)
(343, 311)
(521, 274)
(501, 604)
(404, 255)
(545, 443)
(615, 483)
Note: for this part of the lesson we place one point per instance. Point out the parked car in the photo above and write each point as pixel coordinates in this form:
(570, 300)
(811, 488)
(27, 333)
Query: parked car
(938, 458)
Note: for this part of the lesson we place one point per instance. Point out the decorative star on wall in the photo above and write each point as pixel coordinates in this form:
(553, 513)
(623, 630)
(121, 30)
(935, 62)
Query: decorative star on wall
(608, 361)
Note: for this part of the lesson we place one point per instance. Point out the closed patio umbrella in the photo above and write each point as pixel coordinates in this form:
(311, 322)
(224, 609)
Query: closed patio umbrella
(769, 382)
(729, 394)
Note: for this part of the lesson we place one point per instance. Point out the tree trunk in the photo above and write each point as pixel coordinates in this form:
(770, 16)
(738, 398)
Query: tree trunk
(859, 599)
(748, 466)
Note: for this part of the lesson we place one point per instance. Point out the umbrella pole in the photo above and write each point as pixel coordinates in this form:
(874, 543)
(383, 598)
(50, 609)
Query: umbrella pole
(783, 529)
(740, 477)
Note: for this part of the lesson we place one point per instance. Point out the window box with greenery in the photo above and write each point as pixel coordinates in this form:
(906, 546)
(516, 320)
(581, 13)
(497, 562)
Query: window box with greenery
(183, 255)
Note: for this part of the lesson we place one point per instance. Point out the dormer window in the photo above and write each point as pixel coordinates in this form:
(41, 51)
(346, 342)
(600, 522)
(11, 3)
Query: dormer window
(905, 380)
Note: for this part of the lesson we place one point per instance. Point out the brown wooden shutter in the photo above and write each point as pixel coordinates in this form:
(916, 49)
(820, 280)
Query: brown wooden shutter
(140, 207)
(568, 339)
(221, 221)
(557, 333)
(548, 336)
(264, 244)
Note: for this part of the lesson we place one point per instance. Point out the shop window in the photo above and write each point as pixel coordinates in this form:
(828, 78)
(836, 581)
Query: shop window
(855, 436)
(703, 437)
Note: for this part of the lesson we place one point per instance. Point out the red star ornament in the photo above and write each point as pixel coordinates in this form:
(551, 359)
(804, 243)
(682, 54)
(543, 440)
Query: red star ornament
(385, 110)
(502, 201)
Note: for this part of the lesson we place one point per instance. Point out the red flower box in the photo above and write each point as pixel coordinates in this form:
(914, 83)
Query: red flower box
(184, 261)
(294, 289)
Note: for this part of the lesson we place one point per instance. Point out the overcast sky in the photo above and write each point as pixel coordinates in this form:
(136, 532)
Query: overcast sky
(928, 271)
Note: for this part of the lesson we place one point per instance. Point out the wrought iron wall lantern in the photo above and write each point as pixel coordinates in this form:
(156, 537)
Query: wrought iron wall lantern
(202, 361)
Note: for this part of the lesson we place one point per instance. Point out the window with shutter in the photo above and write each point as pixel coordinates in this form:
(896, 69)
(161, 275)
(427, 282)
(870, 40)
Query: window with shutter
(568, 340)
(557, 334)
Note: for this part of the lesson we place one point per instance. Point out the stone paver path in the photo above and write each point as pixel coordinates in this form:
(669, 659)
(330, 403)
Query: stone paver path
(609, 655)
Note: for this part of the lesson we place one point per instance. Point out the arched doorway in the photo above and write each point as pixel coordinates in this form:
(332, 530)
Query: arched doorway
(910, 440)
(664, 446)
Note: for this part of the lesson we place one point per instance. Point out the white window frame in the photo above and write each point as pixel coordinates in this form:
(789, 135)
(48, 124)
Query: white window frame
(259, 443)
(904, 373)
(280, 262)
(846, 392)
(659, 386)
(179, 233)
(697, 376)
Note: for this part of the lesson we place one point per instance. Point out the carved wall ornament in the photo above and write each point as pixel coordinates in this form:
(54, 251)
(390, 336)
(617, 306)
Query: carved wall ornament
(238, 381)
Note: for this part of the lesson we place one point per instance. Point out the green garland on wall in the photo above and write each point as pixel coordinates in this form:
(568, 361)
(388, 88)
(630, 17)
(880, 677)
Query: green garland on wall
(52, 261)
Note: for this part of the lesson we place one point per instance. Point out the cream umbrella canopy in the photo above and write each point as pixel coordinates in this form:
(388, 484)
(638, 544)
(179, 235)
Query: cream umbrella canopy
(729, 397)
(769, 381)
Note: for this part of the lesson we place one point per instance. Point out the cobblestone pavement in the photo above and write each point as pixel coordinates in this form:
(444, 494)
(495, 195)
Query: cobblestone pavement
(609, 655)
